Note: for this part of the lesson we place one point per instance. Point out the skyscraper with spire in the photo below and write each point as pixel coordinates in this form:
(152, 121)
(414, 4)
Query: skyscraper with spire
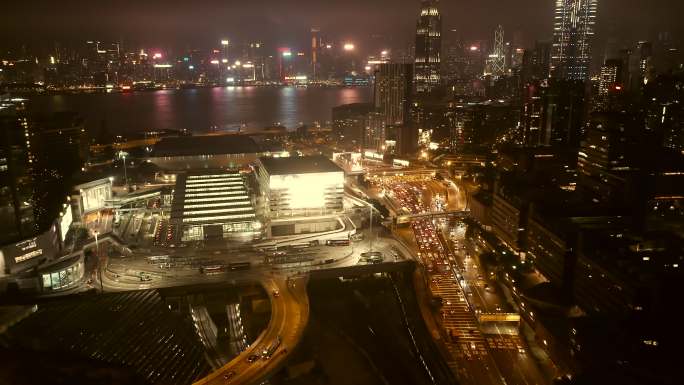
(428, 47)
(573, 31)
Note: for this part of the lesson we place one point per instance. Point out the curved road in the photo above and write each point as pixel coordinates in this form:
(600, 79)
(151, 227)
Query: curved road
(290, 314)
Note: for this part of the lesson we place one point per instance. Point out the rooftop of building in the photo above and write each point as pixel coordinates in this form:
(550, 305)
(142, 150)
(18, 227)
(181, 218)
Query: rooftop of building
(135, 329)
(210, 197)
(299, 165)
(86, 180)
(205, 145)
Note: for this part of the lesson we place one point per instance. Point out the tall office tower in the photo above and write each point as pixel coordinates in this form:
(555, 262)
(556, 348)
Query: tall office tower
(563, 113)
(225, 49)
(60, 143)
(536, 62)
(258, 60)
(428, 47)
(573, 30)
(607, 154)
(641, 69)
(393, 89)
(610, 82)
(531, 112)
(393, 86)
(315, 52)
(16, 174)
(497, 60)
(375, 131)
(664, 102)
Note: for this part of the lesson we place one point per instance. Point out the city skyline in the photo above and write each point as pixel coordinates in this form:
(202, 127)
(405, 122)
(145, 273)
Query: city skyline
(405, 192)
(289, 22)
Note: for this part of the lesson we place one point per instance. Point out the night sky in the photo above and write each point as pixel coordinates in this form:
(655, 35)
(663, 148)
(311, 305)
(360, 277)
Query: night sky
(197, 22)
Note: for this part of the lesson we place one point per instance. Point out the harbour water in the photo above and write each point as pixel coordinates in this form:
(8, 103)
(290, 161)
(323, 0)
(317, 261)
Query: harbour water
(203, 109)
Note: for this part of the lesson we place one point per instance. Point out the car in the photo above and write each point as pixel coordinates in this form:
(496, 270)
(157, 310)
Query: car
(229, 375)
(521, 350)
(276, 293)
(253, 358)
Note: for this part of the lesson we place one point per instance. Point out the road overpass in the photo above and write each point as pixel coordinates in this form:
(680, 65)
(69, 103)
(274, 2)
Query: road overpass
(363, 270)
(406, 218)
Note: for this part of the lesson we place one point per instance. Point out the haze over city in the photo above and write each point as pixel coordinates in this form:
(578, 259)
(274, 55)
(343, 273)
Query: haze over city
(341, 192)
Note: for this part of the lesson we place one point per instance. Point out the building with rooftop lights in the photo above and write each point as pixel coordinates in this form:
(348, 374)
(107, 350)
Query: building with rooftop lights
(214, 205)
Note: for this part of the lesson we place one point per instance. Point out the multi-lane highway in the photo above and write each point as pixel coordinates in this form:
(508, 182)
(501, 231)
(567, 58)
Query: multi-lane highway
(289, 316)
(475, 357)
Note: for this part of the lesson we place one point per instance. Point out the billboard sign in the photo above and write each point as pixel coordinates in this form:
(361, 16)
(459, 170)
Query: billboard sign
(65, 222)
(29, 252)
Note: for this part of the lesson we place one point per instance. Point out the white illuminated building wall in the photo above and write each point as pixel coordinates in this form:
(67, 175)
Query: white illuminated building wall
(94, 197)
(306, 194)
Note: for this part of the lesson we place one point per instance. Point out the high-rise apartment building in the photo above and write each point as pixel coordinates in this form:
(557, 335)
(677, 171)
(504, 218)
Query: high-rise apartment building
(610, 82)
(428, 47)
(573, 31)
(315, 52)
(16, 174)
(393, 86)
(393, 89)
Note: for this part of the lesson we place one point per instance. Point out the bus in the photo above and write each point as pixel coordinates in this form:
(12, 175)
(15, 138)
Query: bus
(270, 349)
(212, 269)
(299, 246)
(337, 242)
(239, 265)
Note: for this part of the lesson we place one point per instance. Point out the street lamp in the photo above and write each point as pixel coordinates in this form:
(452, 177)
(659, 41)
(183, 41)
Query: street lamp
(99, 259)
(370, 240)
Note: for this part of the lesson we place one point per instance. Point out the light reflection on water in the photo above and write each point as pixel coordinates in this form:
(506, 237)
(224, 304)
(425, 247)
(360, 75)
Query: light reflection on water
(204, 109)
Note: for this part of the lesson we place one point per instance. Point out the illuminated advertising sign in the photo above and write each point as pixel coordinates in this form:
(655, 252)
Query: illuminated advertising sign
(21, 255)
(65, 222)
(29, 249)
(373, 155)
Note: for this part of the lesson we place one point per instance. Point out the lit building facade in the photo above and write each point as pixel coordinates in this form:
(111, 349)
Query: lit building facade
(393, 87)
(89, 199)
(604, 157)
(214, 205)
(609, 76)
(428, 47)
(300, 186)
(393, 99)
(573, 31)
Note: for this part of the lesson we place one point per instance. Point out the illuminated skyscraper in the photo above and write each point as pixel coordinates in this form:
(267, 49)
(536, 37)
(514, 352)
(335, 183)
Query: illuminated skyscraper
(428, 47)
(573, 30)
(393, 89)
(315, 52)
(498, 57)
(610, 76)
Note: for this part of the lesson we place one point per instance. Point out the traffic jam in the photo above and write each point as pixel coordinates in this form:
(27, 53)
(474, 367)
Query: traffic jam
(465, 340)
